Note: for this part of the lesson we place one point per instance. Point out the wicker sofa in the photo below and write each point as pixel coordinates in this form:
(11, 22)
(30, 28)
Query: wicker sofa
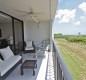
(9, 62)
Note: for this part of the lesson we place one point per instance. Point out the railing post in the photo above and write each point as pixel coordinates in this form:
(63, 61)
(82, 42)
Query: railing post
(58, 70)
(55, 66)
(60, 73)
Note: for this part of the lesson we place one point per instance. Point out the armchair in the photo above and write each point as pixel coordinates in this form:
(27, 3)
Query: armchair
(29, 47)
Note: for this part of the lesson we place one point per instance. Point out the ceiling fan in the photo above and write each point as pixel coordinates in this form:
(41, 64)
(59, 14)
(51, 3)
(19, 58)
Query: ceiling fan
(31, 13)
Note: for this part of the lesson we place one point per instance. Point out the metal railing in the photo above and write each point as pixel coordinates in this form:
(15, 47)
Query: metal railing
(60, 69)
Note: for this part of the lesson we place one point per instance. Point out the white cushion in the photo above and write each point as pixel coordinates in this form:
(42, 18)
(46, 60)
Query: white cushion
(29, 48)
(6, 53)
(29, 44)
(7, 64)
(1, 60)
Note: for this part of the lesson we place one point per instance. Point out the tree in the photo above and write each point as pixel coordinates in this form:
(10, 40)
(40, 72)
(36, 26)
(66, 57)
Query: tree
(79, 33)
(59, 35)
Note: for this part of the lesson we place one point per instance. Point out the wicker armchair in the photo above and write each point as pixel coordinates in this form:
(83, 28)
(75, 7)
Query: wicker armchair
(29, 47)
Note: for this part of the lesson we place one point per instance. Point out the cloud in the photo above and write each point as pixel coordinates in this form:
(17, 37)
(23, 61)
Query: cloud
(82, 17)
(77, 23)
(65, 15)
(82, 6)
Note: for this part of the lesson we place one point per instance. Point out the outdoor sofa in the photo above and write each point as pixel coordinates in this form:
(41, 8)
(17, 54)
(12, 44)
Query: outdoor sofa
(9, 63)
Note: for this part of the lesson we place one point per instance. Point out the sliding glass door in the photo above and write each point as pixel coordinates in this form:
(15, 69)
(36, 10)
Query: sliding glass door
(18, 35)
(12, 30)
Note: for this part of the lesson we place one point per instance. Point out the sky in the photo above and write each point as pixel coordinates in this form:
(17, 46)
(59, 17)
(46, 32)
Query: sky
(70, 18)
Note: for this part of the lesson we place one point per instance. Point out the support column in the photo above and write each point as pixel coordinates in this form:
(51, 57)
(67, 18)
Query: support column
(51, 44)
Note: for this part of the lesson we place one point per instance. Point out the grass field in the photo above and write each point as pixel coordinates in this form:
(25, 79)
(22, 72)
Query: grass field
(74, 55)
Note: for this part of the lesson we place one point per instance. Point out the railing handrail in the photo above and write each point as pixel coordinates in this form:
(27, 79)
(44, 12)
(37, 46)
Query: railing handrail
(64, 68)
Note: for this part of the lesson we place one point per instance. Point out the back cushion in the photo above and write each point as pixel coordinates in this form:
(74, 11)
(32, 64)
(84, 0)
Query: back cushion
(29, 44)
(6, 53)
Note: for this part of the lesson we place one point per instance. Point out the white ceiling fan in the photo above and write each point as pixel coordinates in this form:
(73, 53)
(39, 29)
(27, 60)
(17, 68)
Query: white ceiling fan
(31, 13)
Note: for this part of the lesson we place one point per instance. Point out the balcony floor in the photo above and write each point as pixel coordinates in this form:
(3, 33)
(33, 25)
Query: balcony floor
(40, 71)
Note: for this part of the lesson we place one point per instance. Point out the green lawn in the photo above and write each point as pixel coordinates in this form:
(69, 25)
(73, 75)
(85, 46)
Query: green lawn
(74, 55)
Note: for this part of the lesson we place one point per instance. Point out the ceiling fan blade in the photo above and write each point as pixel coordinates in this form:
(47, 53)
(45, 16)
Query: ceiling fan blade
(30, 14)
(28, 17)
(38, 13)
(33, 12)
(22, 11)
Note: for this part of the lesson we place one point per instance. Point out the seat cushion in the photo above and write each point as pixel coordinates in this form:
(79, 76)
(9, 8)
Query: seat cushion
(29, 48)
(6, 53)
(9, 63)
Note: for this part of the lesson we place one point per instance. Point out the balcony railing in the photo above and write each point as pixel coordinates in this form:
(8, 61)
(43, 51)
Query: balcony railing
(60, 69)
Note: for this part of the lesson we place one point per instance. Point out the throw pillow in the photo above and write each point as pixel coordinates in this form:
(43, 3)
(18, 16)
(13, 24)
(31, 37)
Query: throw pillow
(6, 53)
(29, 44)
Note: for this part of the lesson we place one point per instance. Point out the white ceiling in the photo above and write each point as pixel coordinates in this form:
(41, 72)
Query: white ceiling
(42, 6)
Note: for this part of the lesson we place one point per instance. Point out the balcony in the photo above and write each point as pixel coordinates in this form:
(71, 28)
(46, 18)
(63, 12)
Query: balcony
(50, 66)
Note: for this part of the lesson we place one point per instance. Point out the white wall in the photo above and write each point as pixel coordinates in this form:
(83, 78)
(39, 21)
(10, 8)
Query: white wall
(6, 29)
(36, 33)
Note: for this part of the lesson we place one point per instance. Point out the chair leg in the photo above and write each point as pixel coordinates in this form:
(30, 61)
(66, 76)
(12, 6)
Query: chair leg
(33, 72)
(22, 71)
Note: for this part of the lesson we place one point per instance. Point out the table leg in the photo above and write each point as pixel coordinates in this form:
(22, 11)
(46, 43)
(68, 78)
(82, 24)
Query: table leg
(33, 72)
(22, 71)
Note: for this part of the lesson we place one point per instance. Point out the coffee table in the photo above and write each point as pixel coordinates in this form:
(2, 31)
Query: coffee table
(29, 64)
